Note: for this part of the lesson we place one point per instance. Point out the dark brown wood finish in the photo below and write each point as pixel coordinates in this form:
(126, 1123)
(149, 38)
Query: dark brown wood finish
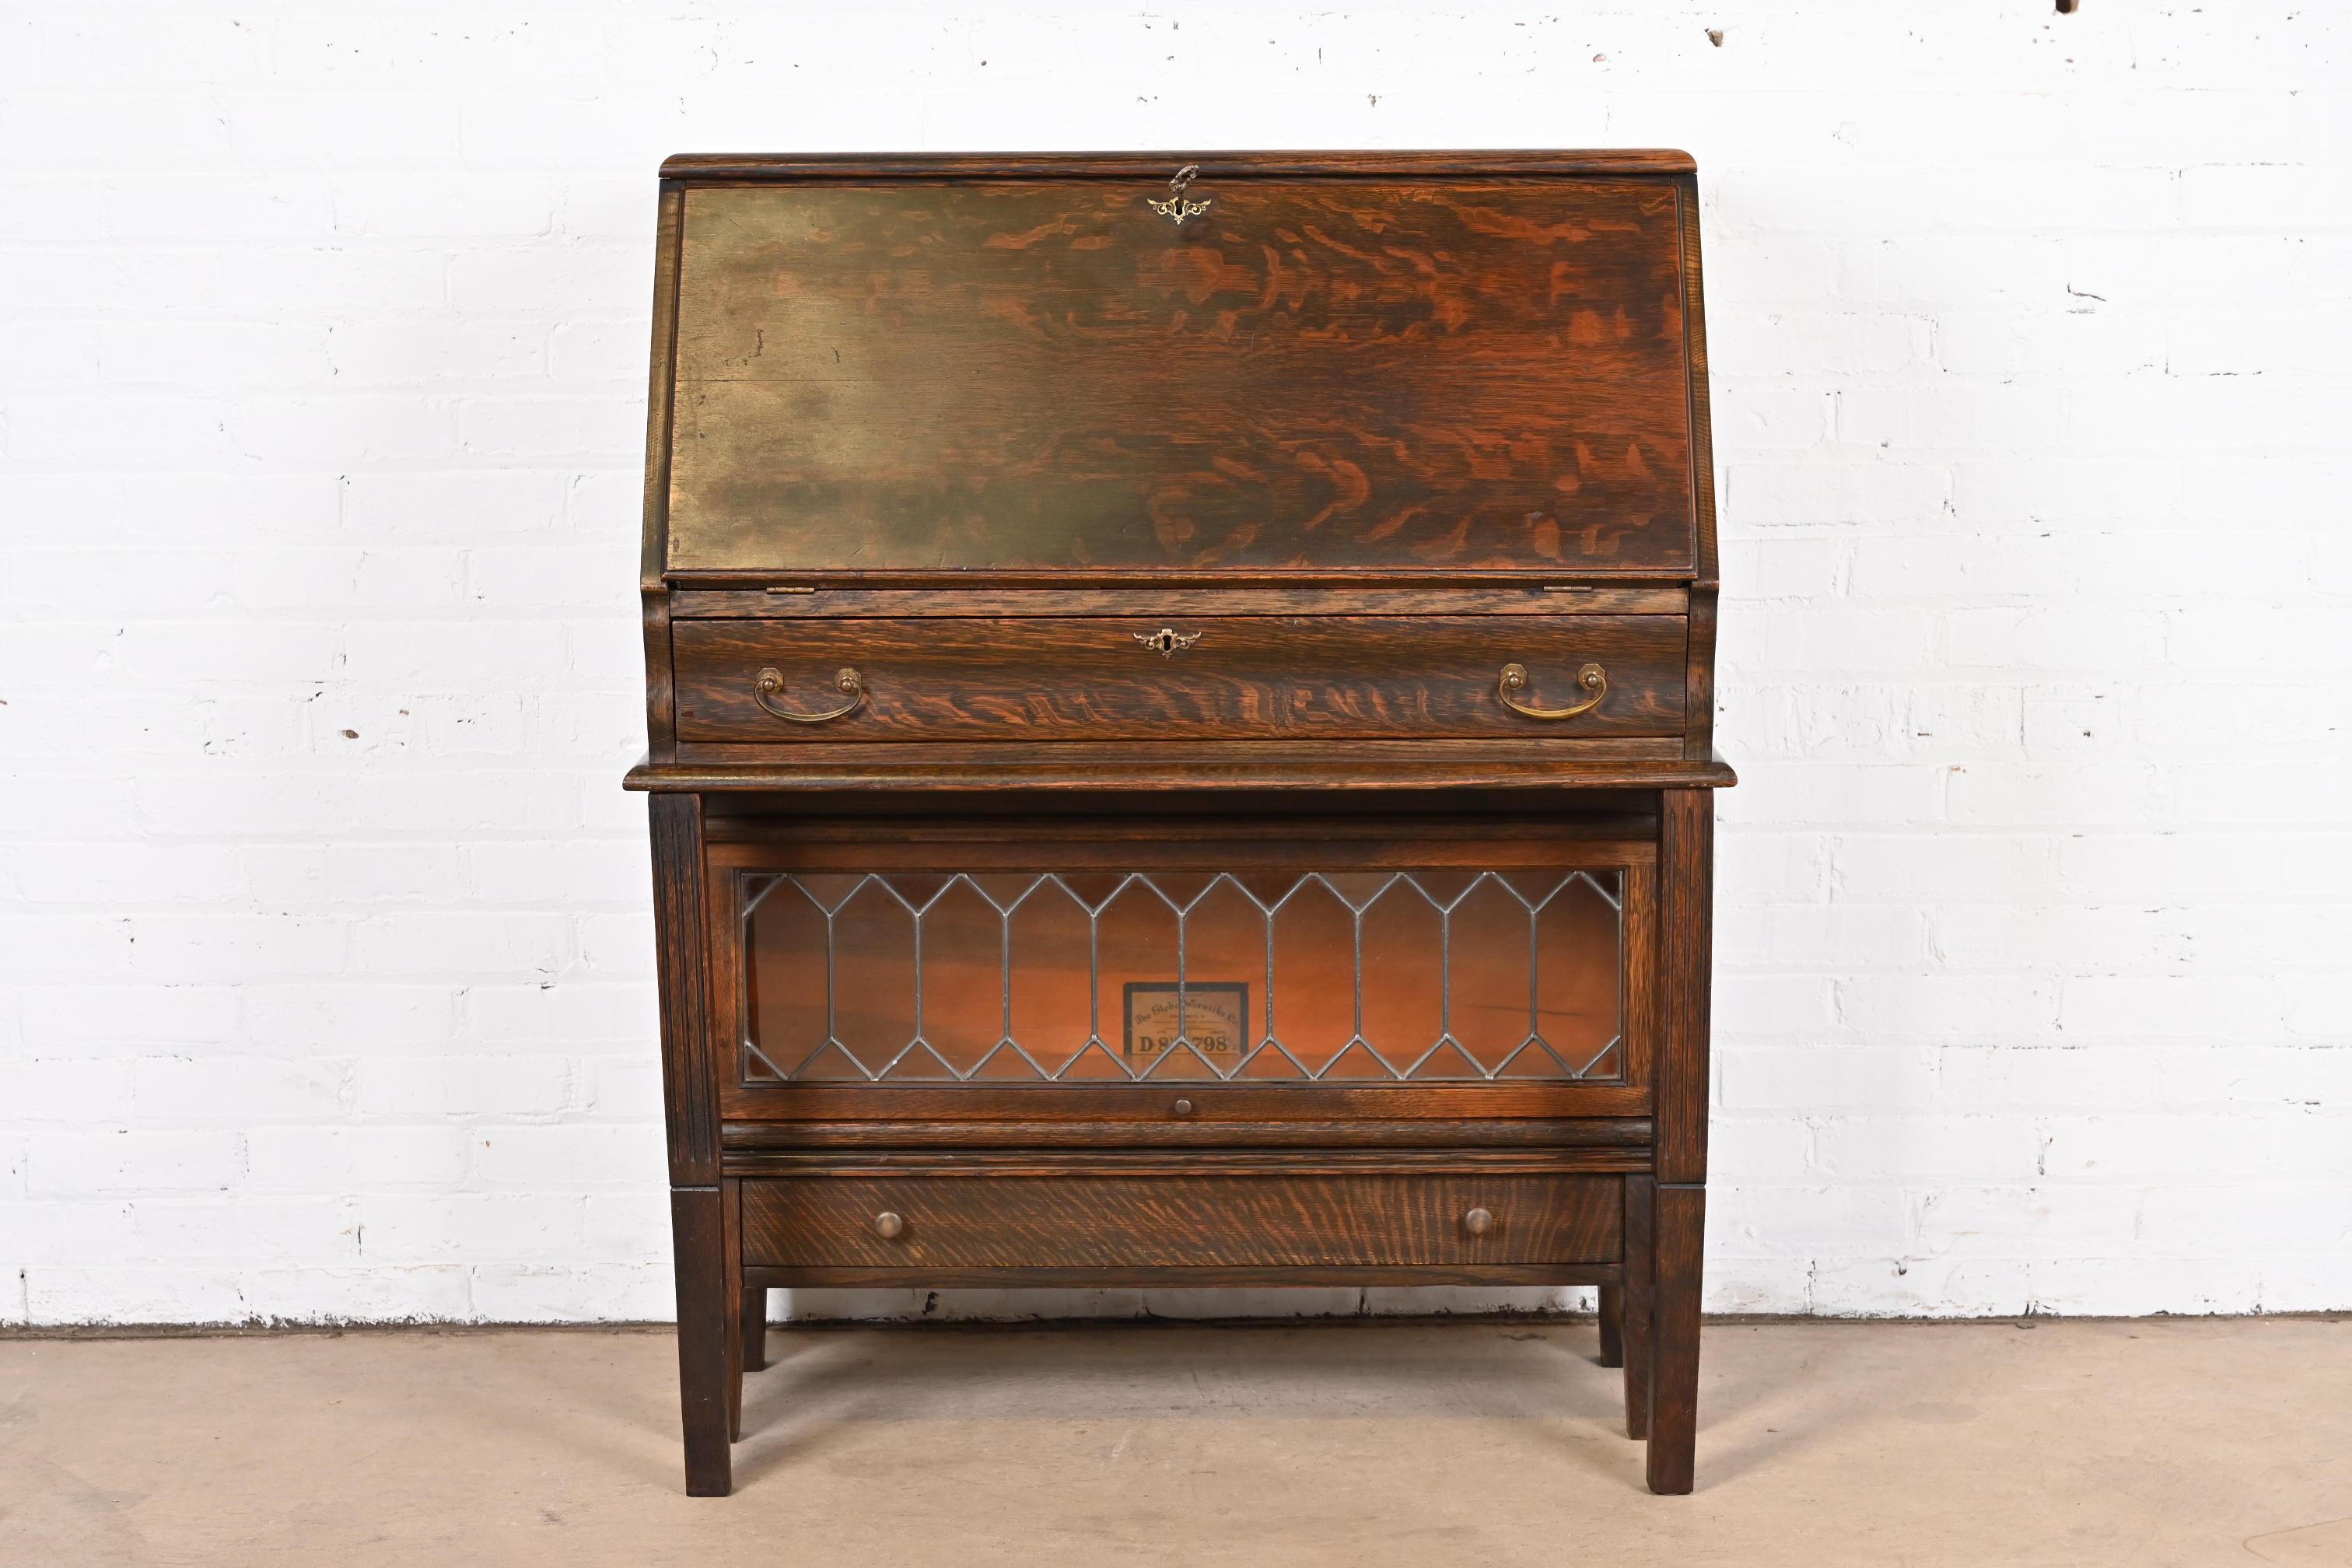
(769, 168)
(1024, 377)
(1103, 680)
(1170, 1220)
(1390, 840)
(1687, 875)
(1159, 604)
(1676, 1255)
(1638, 1301)
(730, 1214)
(1097, 1277)
(1361, 431)
(755, 1332)
(1158, 781)
(682, 945)
(661, 738)
(1699, 687)
(1599, 1140)
(703, 1261)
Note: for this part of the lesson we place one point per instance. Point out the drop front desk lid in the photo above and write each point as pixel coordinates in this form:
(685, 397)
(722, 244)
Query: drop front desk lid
(1336, 367)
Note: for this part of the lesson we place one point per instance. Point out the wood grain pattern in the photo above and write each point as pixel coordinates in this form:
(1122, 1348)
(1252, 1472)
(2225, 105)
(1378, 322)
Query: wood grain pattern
(1640, 943)
(940, 839)
(1698, 684)
(1156, 779)
(1605, 1148)
(689, 1076)
(1596, 1135)
(1180, 1222)
(1579, 766)
(732, 1290)
(661, 735)
(1685, 953)
(1159, 604)
(699, 1243)
(1639, 1299)
(1677, 1258)
(1089, 679)
(1009, 377)
(1137, 1277)
(661, 704)
(1352, 164)
(1702, 445)
(1699, 711)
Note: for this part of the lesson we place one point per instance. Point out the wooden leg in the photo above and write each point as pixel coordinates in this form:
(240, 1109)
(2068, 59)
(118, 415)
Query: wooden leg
(1640, 1210)
(755, 1328)
(1612, 1325)
(730, 1210)
(1673, 1346)
(700, 1225)
(705, 1326)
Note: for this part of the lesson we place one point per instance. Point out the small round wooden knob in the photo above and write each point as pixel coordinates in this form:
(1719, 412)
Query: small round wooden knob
(888, 1225)
(1478, 1222)
(1182, 1108)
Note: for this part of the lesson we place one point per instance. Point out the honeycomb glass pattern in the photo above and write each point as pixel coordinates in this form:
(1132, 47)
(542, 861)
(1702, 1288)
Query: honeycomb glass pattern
(1301, 977)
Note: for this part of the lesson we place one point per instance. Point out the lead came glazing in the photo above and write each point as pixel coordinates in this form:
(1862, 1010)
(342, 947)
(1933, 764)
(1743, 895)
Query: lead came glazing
(1385, 976)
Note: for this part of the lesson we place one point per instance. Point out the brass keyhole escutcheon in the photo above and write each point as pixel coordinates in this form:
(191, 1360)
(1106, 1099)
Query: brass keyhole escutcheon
(888, 1225)
(1478, 1222)
(1168, 642)
(1174, 207)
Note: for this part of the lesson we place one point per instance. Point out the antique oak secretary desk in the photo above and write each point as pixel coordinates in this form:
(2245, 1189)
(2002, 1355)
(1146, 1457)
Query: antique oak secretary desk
(1179, 753)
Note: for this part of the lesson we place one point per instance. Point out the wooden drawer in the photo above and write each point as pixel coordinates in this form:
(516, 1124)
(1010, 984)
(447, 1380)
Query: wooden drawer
(1108, 677)
(1137, 1222)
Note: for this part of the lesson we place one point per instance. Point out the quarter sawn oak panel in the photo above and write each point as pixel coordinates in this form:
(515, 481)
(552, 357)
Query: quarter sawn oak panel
(1045, 376)
(1162, 1222)
(1089, 679)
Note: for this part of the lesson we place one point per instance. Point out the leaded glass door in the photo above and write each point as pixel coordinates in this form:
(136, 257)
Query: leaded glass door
(1029, 963)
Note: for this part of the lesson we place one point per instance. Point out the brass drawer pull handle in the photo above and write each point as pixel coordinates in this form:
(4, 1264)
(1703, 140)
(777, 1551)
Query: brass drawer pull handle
(1478, 1222)
(888, 1225)
(1592, 677)
(770, 681)
(1168, 642)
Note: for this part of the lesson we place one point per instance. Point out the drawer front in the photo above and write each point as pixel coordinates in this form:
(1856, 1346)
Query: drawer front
(1127, 678)
(1161, 1222)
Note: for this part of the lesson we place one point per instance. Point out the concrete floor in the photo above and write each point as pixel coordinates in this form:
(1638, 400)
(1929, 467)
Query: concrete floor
(1891, 1444)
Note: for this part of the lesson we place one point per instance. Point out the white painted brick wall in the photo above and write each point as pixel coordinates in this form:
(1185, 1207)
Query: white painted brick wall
(324, 959)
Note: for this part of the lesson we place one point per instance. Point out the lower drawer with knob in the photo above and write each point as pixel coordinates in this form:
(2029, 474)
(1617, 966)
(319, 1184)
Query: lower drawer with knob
(1135, 1224)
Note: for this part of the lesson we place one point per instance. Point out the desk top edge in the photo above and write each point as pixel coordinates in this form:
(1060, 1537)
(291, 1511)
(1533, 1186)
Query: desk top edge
(1286, 775)
(732, 168)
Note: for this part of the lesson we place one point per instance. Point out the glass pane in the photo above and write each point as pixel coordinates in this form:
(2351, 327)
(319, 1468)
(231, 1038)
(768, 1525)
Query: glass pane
(1307, 976)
